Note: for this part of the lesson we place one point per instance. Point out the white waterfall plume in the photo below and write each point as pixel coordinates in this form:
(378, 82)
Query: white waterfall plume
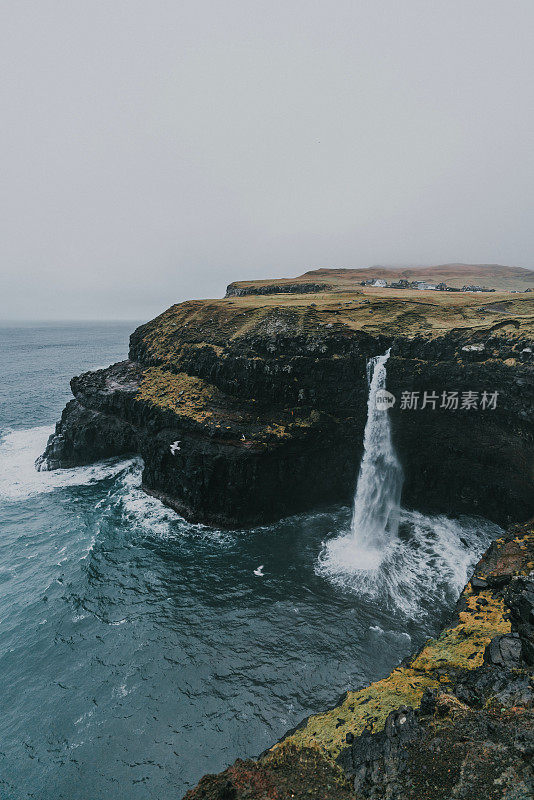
(407, 568)
(375, 517)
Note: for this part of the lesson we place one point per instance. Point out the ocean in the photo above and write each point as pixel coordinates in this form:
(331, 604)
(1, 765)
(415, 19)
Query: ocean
(139, 651)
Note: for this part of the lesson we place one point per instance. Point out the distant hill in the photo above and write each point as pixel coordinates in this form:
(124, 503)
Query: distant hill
(491, 276)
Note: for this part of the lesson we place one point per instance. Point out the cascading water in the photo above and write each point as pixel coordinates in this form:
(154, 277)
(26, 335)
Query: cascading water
(375, 516)
(399, 559)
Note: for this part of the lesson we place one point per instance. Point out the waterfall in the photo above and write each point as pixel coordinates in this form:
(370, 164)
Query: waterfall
(377, 497)
(368, 557)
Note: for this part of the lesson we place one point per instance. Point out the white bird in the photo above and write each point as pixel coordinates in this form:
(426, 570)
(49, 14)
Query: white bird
(259, 571)
(243, 438)
(175, 446)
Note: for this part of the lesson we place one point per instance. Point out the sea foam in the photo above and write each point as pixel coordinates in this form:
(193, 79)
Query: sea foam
(19, 478)
(428, 562)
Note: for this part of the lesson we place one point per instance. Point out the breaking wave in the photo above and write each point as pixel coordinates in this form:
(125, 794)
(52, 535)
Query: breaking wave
(148, 515)
(19, 480)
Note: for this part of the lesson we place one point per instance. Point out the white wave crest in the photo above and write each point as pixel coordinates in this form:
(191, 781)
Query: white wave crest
(139, 508)
(430, 561)
(19, 478)
(150, 515)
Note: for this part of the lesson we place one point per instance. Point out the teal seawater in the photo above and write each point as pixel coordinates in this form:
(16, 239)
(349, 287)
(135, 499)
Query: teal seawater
(138, 651)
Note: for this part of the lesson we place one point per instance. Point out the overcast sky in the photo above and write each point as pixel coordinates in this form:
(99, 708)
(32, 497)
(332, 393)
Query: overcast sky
(154, 151)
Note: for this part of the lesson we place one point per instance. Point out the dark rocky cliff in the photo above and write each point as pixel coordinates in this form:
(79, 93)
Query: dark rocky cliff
(248, 409)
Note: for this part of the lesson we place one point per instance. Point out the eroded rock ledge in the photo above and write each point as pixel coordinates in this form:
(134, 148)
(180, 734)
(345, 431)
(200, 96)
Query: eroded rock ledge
(454, 721)
(250, 408)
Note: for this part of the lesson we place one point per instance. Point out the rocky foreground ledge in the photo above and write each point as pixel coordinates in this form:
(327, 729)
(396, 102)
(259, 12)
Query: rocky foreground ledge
(250, 408)
(454, 721)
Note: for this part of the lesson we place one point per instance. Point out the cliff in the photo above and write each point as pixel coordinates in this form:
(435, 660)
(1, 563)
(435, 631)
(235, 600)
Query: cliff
(456, 720)
(250, 408)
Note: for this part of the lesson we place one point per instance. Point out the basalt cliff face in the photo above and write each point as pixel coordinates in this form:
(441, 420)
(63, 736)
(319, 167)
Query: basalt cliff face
(250, 408)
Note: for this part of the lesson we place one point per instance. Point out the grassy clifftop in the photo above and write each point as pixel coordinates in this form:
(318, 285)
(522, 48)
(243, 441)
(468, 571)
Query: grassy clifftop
(218, 324)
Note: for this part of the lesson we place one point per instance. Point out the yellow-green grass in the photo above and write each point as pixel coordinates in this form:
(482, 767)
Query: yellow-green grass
(196, 400)
(458, 647)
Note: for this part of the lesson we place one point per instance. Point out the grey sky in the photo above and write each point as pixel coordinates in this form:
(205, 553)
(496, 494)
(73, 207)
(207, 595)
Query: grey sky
(154, 151)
